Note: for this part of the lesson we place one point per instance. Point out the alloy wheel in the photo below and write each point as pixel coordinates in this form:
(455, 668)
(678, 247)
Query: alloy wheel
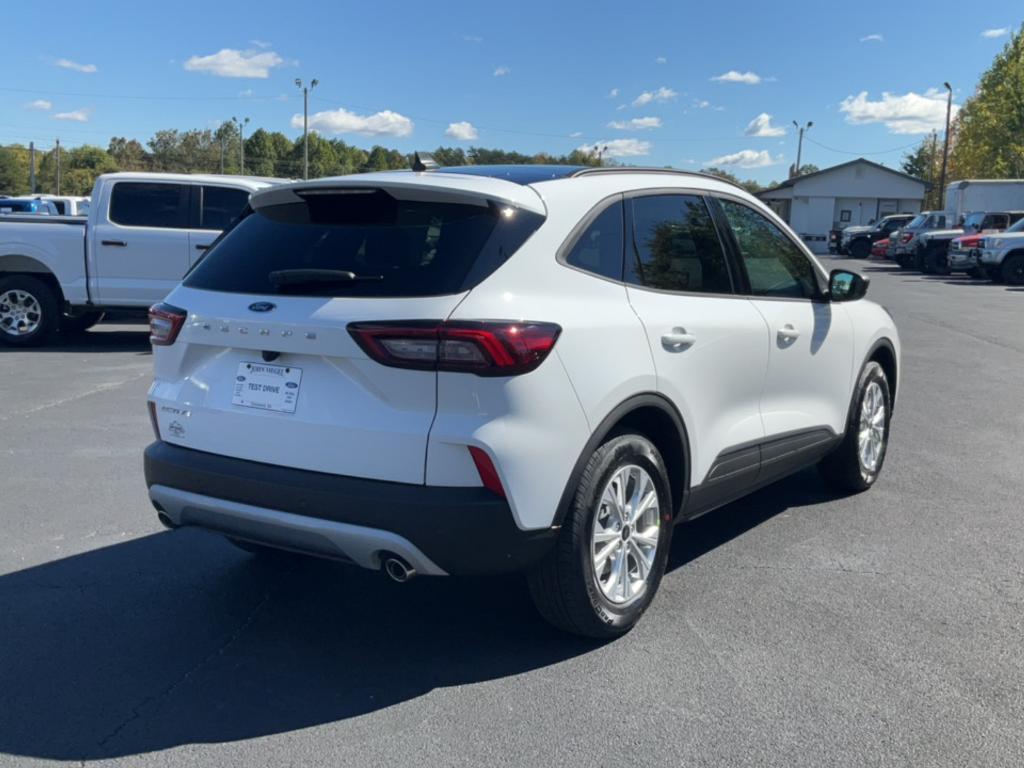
(871, 436)
(20, 313)
(624, 542)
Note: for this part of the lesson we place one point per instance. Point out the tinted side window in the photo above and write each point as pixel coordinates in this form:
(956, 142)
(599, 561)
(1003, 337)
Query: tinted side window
(676, 246)
(221, 205)
(144, 204)
(775, 266)
(599, 248)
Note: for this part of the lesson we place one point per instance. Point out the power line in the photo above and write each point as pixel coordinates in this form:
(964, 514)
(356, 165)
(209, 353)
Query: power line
(859, 154)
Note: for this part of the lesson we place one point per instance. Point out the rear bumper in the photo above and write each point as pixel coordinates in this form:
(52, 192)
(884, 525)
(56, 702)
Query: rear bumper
(438, 530)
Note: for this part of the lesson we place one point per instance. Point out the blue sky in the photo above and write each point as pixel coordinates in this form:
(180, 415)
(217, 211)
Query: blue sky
(668, 83)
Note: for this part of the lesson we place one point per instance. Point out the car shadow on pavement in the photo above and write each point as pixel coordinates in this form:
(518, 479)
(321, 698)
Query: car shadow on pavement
(93, 341)
(178, 638)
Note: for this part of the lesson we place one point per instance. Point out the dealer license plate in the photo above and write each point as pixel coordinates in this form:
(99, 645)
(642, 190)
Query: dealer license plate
(269, 387)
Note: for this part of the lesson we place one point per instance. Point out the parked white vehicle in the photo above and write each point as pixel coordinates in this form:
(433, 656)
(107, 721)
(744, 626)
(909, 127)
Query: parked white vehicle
(1002, 255)
(535, 368)
(142, 235)
(969, 195)
(68, 205)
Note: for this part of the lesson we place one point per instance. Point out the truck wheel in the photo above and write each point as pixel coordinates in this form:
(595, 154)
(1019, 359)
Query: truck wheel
(611, 552)
(72, 324)
(935, 263)
(977, 273)
(1013, 270)
(860, 249)
(854, 466)
(29, 311)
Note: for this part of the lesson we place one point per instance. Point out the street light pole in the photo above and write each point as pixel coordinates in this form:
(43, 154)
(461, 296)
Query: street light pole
(800, 144)
(945, 148)
(305, 122)
(241, 141)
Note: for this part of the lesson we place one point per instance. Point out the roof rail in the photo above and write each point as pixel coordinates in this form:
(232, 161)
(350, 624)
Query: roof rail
(593, 171)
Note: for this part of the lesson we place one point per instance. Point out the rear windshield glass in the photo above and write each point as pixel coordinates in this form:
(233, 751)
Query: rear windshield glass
(364, 243)
(917, 221)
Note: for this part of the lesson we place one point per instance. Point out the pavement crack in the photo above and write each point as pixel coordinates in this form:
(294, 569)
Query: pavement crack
(137, 710)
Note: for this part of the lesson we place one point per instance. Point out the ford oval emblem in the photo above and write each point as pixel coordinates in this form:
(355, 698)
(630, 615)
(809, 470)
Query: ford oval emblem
(261, 306)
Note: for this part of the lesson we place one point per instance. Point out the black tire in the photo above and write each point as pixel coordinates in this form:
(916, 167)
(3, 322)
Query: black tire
(46, 317)
(935, 262)
(843, 469)
(860, 249)
(71, 325)
(916, 260)
(1013, 270)
(977, 273)
(564, 585)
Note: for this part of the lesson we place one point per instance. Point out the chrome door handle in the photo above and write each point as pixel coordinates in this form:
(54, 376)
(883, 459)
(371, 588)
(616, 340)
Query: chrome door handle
(115, 243)
(788, 333)
(677, 340)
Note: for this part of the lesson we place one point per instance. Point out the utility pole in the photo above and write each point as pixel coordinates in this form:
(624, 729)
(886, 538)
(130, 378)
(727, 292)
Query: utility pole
(241, 141)
(32, 166)
(58, 166)
(945, 148)
(800, 144)
(305, 122)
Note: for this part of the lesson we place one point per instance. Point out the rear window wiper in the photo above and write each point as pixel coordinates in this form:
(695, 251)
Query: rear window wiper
(289, 277)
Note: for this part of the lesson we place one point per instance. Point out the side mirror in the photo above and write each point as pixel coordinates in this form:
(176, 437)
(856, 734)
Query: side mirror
(846, 286)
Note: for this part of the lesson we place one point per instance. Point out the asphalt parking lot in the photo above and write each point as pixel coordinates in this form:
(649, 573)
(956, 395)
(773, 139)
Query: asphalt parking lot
(794, 629)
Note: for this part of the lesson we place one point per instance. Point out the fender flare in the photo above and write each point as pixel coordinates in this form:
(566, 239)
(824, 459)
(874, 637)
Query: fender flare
(600, 434)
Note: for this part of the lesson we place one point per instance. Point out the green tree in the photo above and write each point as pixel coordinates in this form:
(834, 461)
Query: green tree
(260, 154)
(14, 173)
(988, 138)
(129, 154)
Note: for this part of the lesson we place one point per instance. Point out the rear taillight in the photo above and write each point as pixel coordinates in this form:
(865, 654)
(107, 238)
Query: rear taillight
(907, 237)
(165, 323)
(485, 468)
(486, 348)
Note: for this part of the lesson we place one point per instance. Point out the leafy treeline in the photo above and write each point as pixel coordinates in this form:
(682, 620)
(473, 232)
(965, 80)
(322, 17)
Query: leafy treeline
(987, 137)
(267, 153)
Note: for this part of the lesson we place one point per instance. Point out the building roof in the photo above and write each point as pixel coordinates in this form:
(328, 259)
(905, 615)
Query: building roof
(878, 166)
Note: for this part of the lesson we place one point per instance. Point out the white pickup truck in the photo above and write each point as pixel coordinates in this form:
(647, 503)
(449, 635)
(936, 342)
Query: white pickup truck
(143, 232)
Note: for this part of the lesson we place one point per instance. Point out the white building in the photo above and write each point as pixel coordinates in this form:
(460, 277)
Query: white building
(857, 192)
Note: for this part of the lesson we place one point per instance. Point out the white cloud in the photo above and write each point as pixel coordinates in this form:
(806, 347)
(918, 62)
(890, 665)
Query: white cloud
(462, 131)
(907, 113)
(762, 126)
(575, 134)
(661, 60)
(229, 62)
(502, 71)
(77, 116)
(661, 95)
(747, 158)
(260, 43)
(619, 148)
(75, 66)
(999, 32)
(40, 104)
(247, 92)
(386, 123)
(701, 103)
(636, 124)
(876, 38)
(472, 38)
(732, 76)
(613, 93)
(621, 107)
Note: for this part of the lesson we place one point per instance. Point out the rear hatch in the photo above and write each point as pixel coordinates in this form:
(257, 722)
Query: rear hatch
(264, 367)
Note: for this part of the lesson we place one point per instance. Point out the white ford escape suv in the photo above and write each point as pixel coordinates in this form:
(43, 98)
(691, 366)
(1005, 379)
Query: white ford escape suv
(485, 369)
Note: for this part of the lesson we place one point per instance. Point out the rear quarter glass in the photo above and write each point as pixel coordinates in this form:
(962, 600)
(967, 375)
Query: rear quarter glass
(392, 247)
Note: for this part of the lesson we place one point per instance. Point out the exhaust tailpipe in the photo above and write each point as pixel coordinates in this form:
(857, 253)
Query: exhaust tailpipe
(397, 569)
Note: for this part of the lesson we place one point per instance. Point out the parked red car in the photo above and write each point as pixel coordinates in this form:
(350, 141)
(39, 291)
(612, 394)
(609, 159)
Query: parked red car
(880, 247)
